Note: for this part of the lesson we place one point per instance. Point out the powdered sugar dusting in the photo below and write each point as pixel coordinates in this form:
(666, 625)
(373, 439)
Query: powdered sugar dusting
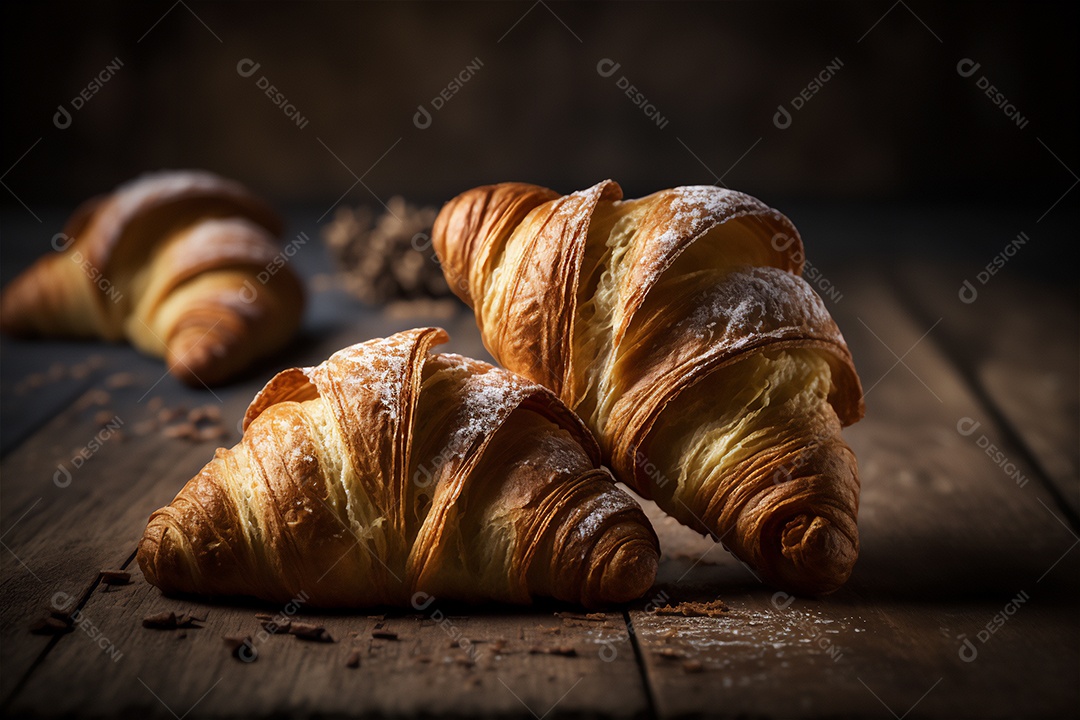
(692, 211)
(603, 507)
(376, 368)
(488, 398)
(755, 301)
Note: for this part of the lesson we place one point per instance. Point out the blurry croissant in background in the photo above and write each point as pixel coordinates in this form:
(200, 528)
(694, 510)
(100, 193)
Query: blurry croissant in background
(388, 471)
(184, 265)
(678, 327)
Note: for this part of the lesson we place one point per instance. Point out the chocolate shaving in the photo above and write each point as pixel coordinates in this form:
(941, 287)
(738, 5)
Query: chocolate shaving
(353, 660)
(309, 631)
(171, 621)
(51, 625)
(160, 621)
(384, 635)
(275, 625)
(115, 577)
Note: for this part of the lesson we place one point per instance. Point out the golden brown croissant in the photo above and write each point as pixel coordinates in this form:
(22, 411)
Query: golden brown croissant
(387, 471)
(185, 265)
(678, 327)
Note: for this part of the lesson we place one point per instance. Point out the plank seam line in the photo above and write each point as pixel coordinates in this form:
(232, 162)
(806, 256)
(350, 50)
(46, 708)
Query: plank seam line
(1011, 436)
(639, 658)
(55, 640)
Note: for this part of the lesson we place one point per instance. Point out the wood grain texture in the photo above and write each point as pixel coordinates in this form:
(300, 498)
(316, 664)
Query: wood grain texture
(948, 542)
(110, 664)
(442, 662)
(60, 530)
(1017, 342)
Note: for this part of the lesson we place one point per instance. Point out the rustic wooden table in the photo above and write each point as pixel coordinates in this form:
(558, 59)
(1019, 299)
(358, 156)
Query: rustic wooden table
(963, 604)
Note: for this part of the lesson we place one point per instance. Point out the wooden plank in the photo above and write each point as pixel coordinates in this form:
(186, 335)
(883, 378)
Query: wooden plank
(1016, 340)
(123, 668)
(948, 544)
(484, 664)
(74, 497)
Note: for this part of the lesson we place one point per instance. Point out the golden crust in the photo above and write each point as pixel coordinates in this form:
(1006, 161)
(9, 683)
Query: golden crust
(179, 264)
(389, 470)
(624, 307)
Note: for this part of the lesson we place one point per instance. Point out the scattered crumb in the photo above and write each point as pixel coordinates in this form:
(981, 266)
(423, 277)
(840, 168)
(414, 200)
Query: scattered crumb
(309, 631)
(564, 651)
(240, 647)
(120, 380)
(713, 609)
(115, 577)
(52, 624)
(169, 620)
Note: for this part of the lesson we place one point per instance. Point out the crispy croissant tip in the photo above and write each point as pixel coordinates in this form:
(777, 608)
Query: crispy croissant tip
(23, 297)
(630, 572)
(625, 558)
(198, 357)
(817, 556)
(155, 552)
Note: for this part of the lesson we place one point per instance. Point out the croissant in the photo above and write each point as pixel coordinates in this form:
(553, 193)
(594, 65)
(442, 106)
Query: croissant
(389, 470)
(679, 328)
(184, 265)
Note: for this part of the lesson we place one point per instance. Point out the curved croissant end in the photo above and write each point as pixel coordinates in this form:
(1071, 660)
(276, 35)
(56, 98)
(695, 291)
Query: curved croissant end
(50, 300)
(388, 471)
(633, 311)
(184, 265)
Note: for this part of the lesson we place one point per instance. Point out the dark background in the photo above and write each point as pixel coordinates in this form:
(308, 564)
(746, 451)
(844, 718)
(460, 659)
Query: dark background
(896, 128)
